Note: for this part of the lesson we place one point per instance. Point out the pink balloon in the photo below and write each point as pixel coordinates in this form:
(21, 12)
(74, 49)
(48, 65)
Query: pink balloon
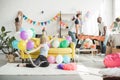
(112, 60)
(49, 45)
(69, 38)
(51, 59)
(30, 45)
(24, 35)
(70, 66)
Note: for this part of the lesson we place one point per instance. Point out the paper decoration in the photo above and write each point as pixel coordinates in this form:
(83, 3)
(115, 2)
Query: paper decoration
(41, 23)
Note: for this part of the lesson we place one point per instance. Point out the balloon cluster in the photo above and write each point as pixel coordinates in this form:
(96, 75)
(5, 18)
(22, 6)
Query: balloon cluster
(23, 41)
(59, 59)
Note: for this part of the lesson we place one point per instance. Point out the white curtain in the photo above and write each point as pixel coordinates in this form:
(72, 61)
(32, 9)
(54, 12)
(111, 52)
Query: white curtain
(90, 26)
(116, 8)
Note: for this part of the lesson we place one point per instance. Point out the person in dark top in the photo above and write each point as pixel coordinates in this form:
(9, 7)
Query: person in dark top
(78, 23)
(78, 27)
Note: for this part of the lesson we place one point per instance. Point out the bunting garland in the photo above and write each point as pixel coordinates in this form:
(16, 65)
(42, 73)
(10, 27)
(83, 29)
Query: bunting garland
(38, 23)
(44, 23)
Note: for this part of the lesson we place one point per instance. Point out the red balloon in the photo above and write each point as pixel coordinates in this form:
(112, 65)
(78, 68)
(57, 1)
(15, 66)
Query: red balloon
(70, 66)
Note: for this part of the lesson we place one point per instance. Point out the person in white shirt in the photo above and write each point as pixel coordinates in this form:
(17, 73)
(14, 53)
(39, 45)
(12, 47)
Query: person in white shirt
(102, 32)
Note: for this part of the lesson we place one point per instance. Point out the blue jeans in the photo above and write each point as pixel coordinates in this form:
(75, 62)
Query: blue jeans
(103, 48)
(73, 36)
(103, 44)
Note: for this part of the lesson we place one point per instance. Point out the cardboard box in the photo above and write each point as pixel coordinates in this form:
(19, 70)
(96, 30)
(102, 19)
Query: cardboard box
(108, 50)
(115, 50)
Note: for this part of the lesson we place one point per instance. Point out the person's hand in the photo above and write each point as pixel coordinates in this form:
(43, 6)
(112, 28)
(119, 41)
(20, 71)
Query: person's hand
(77, 35)
(27, 52)
(110, 29)
(56, 35)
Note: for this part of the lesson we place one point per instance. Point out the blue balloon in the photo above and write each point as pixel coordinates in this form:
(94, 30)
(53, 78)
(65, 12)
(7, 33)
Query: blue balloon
(66, 59)
(15, 44)
(22, 29)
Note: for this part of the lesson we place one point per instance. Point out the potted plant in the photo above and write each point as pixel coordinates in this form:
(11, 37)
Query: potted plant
(6, 44)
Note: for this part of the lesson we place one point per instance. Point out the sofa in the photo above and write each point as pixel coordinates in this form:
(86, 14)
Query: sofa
(70, 51)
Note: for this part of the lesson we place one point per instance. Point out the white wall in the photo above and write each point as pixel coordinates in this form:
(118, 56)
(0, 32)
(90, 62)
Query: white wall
(33, 8)
(116, 8)
(108, 12)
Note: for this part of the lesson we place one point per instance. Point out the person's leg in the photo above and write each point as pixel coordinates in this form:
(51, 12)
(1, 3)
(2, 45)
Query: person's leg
(37, 61)
(29, 65)
(73, 36)
(44, 62)
(102, 47)
(21, 65)
(105, 43)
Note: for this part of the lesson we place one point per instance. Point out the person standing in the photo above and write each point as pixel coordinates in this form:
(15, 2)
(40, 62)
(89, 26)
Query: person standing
(102, 32)
(72, 30)
(18, 20)
(78, 27)
(78, 23)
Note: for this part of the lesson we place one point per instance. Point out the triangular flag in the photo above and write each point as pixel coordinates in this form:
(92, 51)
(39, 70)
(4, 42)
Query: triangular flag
(48, 22)
(38, 23)
(41, 23)
(34, 22)
(45, 23)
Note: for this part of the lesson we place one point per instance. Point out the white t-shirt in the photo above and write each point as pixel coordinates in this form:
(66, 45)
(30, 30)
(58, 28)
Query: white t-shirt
(101, 27)
(44, 50)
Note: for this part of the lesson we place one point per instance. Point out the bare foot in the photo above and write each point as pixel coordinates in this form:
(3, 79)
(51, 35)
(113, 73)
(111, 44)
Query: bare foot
(21, 65)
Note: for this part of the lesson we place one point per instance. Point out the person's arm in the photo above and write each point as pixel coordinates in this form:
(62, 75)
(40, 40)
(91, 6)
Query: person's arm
(99, 33)
(34, 50)
(51, 40)
(77, 26)
(105, 28)
(112, 25)
(55, 37)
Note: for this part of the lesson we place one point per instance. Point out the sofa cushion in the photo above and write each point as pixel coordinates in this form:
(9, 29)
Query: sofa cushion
(60, 50)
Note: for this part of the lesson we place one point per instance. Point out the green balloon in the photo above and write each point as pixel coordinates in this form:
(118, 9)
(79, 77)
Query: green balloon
(33, 32)
(64, 44)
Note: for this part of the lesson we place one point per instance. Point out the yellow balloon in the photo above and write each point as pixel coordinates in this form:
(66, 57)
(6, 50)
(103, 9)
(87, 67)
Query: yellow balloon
(22, 45)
